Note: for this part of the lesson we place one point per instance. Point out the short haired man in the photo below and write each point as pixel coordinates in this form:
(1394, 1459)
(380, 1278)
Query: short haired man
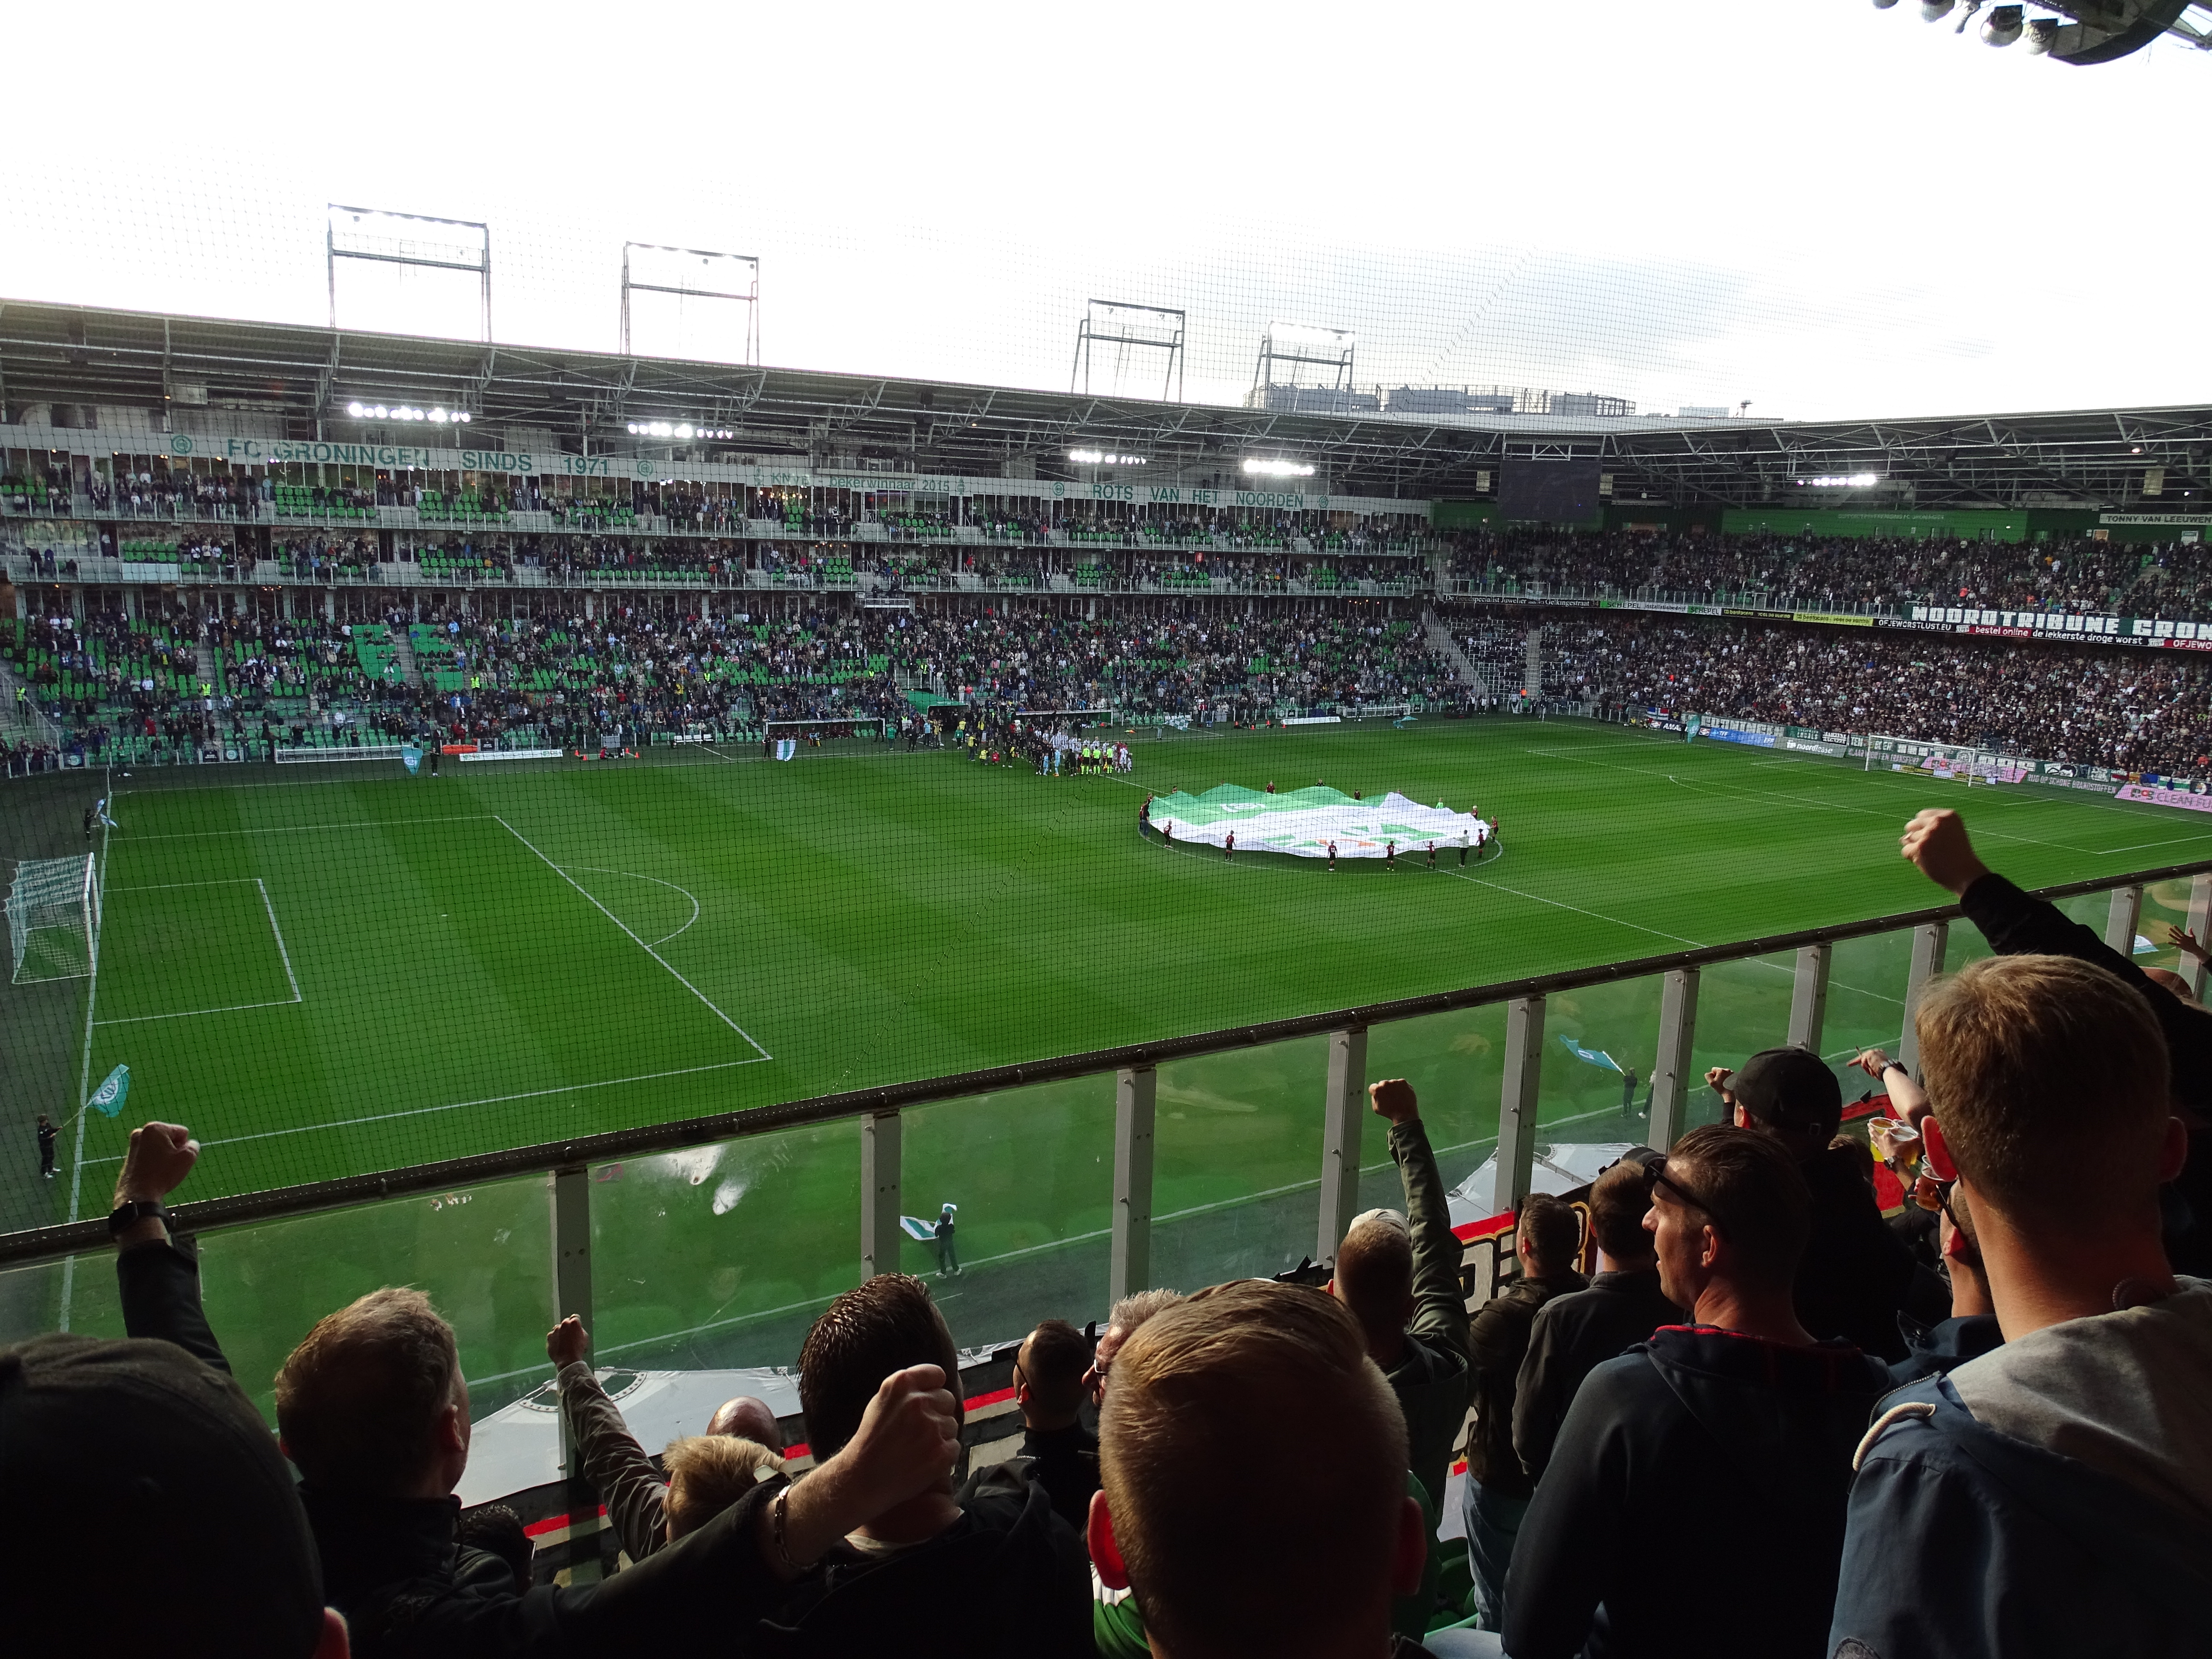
(1122, 1322)
(636, 1494)
(1576, 1333)
(374, 1412)
(985, 1569)
(1717, 1453)
(2054, 1494)
(1048, 1373)
(1857, 1275)
(1398, 1276)
(1246, 1404)
(1546, 1238)
(2016, 924)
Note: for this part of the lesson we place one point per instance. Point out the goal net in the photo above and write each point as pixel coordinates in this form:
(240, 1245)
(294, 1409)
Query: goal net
(53, 919)
(806, 732)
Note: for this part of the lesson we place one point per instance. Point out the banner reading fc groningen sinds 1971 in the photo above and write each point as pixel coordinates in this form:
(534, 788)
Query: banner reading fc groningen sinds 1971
(1303, 822)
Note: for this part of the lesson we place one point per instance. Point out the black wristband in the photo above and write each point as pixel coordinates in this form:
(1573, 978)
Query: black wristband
(128, 1213)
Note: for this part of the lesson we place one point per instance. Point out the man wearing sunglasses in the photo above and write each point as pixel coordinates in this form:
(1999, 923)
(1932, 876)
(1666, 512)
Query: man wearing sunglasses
(1716, 1454)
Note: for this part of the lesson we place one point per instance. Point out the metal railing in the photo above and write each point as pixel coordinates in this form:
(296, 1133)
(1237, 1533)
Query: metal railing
(1136, 1067)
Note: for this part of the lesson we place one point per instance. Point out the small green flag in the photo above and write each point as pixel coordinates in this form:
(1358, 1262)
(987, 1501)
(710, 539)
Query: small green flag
(108, 1098)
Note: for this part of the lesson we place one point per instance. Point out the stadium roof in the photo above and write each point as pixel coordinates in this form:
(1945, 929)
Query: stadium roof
(294, 381)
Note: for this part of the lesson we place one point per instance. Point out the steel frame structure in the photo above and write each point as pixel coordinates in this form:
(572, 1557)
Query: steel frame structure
(279, 378)
(332, 253)
(1115, 332)
(750, 298)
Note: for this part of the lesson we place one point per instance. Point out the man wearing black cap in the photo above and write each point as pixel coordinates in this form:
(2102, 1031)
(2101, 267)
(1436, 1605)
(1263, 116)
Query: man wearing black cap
(1856, 1274)
(148, 1511)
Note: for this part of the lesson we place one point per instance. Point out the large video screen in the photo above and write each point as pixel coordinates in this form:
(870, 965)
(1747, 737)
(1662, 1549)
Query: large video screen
(1552, 491)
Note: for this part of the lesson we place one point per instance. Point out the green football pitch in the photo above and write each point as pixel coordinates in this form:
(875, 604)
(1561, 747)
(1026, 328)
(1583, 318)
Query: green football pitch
(325, 975)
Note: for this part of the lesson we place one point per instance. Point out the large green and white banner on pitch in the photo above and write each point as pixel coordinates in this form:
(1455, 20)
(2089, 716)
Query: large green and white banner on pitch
(1305, 822)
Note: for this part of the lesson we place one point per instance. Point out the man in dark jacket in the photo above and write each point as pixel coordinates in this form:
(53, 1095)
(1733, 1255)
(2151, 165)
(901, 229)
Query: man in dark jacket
(2017, 924)
(1063, 1455)
(1857, 1275)
(873, 1551)
(1574, 1335)
(1723, 1445)
(2053, 1495)
(1547, 1237)
(1399, 1276)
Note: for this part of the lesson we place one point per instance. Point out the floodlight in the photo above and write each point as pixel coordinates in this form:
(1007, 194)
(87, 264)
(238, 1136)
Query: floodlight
(2004, 25)
(1883, 5)
(1935, 11)
(1279, 469)
(355, 411)
(2042, 34)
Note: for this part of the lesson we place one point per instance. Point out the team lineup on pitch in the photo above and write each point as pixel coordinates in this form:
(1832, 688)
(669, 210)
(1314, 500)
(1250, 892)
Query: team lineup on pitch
(326, 977)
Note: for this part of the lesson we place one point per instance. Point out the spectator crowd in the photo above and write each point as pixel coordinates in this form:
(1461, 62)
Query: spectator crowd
(1722, 1408)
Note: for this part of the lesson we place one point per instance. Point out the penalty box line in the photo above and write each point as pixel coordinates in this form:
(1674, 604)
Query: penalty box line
(461, 1105)
(649, 950)
(276, 932)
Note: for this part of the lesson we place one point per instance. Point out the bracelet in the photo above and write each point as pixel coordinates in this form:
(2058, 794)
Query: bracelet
(775, 1532)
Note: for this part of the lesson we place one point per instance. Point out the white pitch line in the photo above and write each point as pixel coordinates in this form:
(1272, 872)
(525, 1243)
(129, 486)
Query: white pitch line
(301, 829)
(602, 870)
(285, 956)
(195, 1013)
(84, 1081)
(640, 943)
(460, 1105)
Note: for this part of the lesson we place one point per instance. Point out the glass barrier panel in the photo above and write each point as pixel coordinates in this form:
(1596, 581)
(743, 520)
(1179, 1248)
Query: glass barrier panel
(482, 1254)
(1236, 1163)
(721, 1256)
(2165, 905)
(1456, 1063)
(1742, 1007)
(61, 1296)
(1866, 1001)
(1600, 1045)
(1031, 1172)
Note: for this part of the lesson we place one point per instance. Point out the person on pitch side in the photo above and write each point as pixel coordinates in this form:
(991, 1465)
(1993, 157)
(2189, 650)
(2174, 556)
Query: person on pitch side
(1229, 847)
(948, 1258)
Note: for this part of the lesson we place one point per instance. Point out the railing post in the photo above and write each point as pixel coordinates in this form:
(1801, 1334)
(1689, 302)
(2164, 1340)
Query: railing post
(2122, 918)
(2200, 918)
(1809, 996)
(1517, 1104)
(1678, 1031)
(572, 1294)
(1340, 1147)
(1929, 942)
(1129, 1268)
(879, 1194)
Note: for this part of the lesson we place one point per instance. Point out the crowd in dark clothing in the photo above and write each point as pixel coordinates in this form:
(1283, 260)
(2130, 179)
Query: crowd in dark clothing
(2098, 577)
(2126, 709)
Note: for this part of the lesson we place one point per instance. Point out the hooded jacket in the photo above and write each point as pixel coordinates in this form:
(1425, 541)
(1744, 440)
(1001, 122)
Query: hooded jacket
(1699, 1456)
(1573, 1336)
(2053, 1496)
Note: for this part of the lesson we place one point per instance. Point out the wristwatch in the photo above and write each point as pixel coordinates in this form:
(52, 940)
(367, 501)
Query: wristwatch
(128, 1213)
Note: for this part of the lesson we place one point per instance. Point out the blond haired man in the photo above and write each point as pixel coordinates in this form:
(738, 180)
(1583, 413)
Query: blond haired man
(1244, 1407)
(2054, 1494)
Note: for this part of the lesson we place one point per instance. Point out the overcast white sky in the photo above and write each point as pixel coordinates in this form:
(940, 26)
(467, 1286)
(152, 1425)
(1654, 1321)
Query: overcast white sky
(1826, 209)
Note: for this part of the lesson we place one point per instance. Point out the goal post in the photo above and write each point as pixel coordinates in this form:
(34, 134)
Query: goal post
(53, 919)
(806, 732)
